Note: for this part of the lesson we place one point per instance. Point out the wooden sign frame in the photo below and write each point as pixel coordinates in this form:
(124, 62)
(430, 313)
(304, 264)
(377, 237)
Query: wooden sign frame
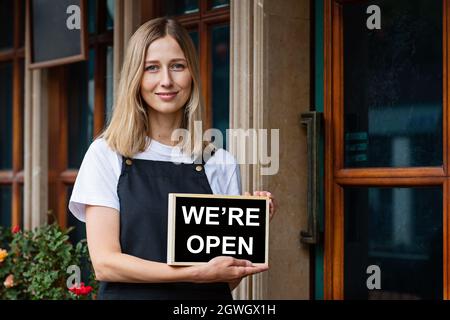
(82, 56)
(171, 229)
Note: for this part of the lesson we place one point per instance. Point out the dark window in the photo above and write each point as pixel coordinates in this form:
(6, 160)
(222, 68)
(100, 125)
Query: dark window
(393, 93)
(12, 56)
(398, 230)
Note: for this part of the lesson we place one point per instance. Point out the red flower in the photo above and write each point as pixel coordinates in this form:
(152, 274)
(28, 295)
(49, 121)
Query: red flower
(15, 229)
(81, 290)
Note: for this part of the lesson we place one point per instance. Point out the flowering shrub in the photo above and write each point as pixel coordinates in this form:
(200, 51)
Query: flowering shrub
(34, 264)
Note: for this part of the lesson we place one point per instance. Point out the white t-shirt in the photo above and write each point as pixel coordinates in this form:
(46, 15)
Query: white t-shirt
(97, 179)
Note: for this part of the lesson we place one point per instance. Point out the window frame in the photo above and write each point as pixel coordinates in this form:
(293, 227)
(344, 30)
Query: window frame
(337, 177)
(203, 21)
(61, 177)
(16, 55)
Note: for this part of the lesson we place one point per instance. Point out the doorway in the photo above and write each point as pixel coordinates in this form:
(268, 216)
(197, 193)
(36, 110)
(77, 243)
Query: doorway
(386, 150)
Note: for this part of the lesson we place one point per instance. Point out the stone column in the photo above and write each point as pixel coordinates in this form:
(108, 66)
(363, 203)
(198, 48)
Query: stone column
(270, 74)
(241, 94)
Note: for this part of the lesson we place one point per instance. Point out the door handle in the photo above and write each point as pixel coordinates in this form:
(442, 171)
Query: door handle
(313, 123)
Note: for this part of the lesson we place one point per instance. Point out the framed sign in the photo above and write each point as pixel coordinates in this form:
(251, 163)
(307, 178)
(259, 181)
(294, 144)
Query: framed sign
(204, 226)
(57, 31)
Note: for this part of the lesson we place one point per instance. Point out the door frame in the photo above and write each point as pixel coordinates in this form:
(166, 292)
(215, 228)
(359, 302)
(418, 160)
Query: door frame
(337, 177)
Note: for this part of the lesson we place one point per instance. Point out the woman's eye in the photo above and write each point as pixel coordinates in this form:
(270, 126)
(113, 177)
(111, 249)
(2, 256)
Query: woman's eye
(178, 66)
(151, 68)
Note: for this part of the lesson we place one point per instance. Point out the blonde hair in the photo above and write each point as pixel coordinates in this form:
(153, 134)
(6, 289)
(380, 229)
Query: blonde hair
(129, 126)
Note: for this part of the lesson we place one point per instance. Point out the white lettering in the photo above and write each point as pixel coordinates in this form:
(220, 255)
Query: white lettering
(210, 243)
(252, 216)
(200, 247)
(193, 212)
(210, 215)
(236, 214)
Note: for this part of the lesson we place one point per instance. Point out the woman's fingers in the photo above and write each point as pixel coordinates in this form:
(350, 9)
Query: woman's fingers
(246, 271)
(225, 268)
(256, 269)
(259, 193)
(272, 202)
(241, 263)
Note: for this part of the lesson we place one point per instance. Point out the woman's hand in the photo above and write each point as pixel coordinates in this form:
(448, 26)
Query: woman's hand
(272, 203)
(226, 269)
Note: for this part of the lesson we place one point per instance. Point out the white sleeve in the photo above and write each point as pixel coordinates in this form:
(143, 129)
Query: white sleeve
(233, 187)
(96, 182)
(223, 173)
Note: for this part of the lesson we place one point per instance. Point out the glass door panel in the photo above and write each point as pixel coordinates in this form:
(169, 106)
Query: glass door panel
(393, 92)
(398, 230)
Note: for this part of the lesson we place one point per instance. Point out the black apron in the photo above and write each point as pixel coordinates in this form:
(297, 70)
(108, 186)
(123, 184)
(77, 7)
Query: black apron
(143, 190)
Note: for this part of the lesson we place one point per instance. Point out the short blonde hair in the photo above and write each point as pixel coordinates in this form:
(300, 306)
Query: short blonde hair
(128, 129)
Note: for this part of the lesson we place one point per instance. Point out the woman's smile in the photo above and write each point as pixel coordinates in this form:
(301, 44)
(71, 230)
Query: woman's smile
(166, 96)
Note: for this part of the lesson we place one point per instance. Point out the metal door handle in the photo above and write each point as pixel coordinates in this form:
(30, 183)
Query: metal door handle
(313, 122)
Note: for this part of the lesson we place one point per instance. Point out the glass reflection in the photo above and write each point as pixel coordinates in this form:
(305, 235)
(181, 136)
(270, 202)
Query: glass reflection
(398, 230)
(393, 85)
(6, 24)
(80, 100)
(194, 37)
(220, 39)
(110, 14)
(216, 4)
(22, 24)
(109, 82)
(178, 7)
(92, 13)
(79, 231)
(5, 206)
(6, 116)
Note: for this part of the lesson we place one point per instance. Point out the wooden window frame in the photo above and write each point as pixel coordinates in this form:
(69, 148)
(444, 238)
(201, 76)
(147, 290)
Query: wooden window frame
(202, 22)
(337, 177)
(15, 177)
(60, 175)
(81, 56)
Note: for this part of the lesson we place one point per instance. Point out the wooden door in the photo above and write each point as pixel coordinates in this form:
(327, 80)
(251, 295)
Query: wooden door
(386, 150)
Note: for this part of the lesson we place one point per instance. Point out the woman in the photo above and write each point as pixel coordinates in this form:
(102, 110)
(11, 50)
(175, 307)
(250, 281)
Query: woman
(123, 183)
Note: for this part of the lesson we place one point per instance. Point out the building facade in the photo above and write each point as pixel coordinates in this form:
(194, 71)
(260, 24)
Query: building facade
(374, 72)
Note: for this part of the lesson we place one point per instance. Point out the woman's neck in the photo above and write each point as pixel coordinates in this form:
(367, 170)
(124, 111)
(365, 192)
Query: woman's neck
(162, 125)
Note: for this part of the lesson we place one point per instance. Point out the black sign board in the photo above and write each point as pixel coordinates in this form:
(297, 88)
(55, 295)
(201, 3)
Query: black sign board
(58, 33)
(201, 227)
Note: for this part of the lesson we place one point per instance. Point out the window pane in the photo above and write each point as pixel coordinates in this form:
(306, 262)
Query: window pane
(21, 206)
(79, 233)
(80, 109)
(194, 37)
(22, 106)
(22, 23)
(177, 7)
(6, 24)
(110, 14)
(109, 82)
(216, 4)
(220, 45)
(6, 115)
(92, 15)
(400, 231)
(5, 205)
(393, 85)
